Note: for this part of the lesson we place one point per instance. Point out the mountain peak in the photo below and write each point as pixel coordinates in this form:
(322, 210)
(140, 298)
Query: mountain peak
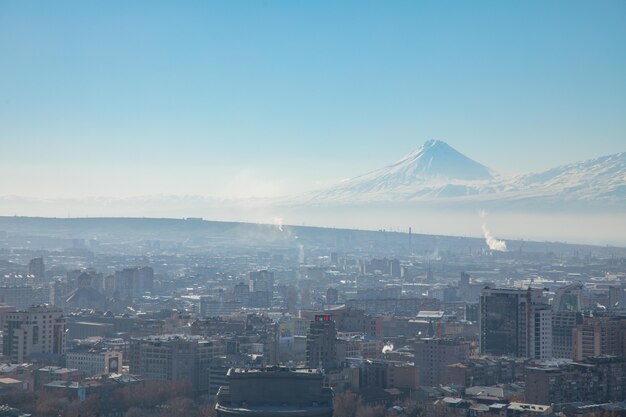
(436, 171)
(432, 143)
(436, 159)
(433, 162)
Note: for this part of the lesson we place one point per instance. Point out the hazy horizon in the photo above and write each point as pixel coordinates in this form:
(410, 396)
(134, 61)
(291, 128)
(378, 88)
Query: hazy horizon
(181, 106)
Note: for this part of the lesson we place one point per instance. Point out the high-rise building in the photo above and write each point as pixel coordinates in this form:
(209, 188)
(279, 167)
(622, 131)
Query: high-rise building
(334, 258)
(78, 277)
(146, 280)
(37, 268)
(86, 295)
(261, 286)
(332, 296)
(24, 296)
(274, 391)
(261, 281)
(515, 323)
(433, 355)
(394, 268)
(322, 344)
(175, 357)
(214, 307)
(40, 330)
(568, 298)
(617, 297)
(600, 334)
(133, 283)
(563, 324)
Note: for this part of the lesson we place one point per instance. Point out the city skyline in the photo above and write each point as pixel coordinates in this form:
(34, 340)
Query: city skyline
(230, 100)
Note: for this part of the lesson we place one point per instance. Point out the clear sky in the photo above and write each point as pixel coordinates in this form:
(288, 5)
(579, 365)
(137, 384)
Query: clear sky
(233, 98)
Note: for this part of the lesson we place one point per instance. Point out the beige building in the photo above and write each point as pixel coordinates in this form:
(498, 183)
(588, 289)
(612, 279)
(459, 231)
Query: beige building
(40, 330)
(94, 362)
(600, 335)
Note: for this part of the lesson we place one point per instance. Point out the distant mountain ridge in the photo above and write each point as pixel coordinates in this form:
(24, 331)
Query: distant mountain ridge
(438, 172)
(423, 185)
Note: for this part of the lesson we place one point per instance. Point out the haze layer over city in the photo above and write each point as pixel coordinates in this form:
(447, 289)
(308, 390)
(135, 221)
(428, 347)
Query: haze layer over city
(339, 209)
(255, 112)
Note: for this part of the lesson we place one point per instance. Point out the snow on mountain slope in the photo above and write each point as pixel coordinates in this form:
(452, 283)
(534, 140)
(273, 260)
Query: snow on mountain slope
(598, 178)
(437, 172)
(432, 165)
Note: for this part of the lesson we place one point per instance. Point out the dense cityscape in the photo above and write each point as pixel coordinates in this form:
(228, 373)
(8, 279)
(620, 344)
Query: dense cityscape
(329, 208)
(221, 319)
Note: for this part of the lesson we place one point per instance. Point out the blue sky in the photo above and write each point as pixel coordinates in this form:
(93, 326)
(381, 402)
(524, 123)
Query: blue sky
(240, 98)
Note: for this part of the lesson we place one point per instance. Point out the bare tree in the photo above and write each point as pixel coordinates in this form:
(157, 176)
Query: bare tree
(347, 404)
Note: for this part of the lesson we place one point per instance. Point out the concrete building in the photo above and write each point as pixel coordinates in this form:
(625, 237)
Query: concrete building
(599, 379)
(86, 296)
(175, 357)
(322, 345)
(261, 286)
(211, 307)
(274, 391)
(332, 296)
(563, 324)
(40, 330)
(133, 283)
(85, 329)
(617, 297)
(349, 319)
(433, 355)
(568, 298)
(361, 346)
(386, 374)
(47, 374)
(37, 269)
(406, 307)
(601, 334)
(92, 362)
(24, 296)
(515, 323)
(487, 371)
(5, 308)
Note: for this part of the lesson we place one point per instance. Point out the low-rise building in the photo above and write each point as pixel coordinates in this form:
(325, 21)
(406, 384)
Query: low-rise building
(92, 362)
(274, 391)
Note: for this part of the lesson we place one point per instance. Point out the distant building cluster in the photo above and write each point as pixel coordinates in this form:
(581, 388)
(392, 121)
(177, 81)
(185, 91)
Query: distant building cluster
(306, 326)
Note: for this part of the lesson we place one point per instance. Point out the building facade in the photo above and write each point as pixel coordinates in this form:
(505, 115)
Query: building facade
(599, 379)
(174, 358)
(40, 330)
(433, 355)
(322, 344)
(274, 391)
(515, 323)
(94, 362)
(600, 334)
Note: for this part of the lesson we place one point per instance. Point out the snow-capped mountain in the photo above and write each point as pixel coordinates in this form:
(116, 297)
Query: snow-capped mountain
(599, 178)
(431, 166)
(437, 172)
(435, 160)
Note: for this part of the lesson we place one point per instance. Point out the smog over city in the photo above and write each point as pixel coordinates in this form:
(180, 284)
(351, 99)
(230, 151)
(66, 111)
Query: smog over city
(348, 209)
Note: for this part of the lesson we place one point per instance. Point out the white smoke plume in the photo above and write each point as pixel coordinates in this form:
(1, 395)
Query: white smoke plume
(278, 222)
(492, 242)
(301, 253)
